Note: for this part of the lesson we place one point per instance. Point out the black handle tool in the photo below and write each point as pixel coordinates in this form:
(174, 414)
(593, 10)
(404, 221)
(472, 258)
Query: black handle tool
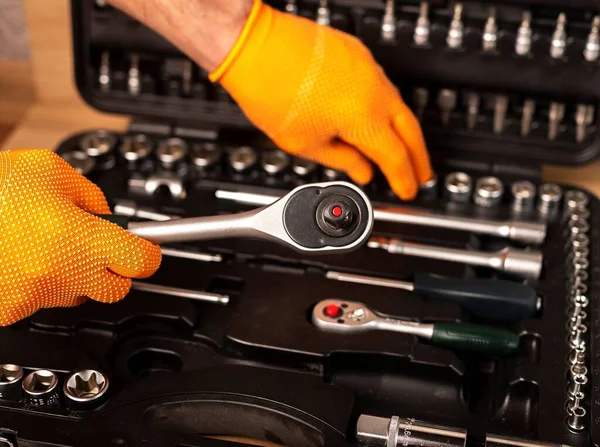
(491, 299)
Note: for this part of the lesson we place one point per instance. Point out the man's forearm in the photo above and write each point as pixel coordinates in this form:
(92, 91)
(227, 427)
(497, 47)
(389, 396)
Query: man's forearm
(205, 30)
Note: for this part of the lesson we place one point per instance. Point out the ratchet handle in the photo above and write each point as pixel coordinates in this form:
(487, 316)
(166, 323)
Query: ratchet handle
(122, 221)
(474, 338)
(491, 299)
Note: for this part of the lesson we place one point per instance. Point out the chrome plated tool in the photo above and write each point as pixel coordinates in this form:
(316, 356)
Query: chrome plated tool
(525, 264)
(492, 299)
(315, 218)
(351, 317)
(527, 232)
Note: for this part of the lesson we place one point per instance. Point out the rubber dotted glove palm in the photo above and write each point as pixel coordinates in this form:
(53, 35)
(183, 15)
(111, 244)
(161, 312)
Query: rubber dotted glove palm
(53, 252)
(319, 94)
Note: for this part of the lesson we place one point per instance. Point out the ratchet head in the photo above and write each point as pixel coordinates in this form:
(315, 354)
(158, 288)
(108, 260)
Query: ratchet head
(320, 218)
(344, 317)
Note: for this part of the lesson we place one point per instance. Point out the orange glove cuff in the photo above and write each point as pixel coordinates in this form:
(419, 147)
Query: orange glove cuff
(218, 73)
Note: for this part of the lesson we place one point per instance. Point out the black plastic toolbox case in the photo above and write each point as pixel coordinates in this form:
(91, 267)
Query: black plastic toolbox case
(181, 371)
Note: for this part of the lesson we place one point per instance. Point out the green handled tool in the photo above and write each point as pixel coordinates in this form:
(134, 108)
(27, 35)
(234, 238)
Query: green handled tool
(350, 317)
(491, 299)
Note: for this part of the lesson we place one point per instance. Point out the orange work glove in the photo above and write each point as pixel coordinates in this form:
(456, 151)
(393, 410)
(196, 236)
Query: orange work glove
(53, 253)
(319, 94)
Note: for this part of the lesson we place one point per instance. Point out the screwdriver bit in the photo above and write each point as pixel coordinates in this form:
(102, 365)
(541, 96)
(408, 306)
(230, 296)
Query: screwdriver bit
(523, 40)
(186, 78)
(592, 46)
(584, 116)
(133, 82)
(490, 32)
(500, 108)
(456, 30)
(559, 38)
(421, 35)
(527, 116)
(104, 77)
(388, 24)
(555, 117)
(420, 100)
(446, 103)
(323, 13)
(291, 7)
(473, 100)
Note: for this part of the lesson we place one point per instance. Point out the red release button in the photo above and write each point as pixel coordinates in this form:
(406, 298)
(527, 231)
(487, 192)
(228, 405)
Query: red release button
(333, 311)
(336, 211)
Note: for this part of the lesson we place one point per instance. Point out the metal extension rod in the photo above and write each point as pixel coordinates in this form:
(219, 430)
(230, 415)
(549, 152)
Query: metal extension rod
(526, 232)
(526, 264)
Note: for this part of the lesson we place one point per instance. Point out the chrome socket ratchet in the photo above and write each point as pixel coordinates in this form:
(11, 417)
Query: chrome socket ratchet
(316, 218)
(351, 317)
(526, 232)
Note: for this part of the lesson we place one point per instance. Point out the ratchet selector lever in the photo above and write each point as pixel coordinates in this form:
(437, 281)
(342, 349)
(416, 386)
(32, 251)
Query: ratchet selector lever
(318, 217)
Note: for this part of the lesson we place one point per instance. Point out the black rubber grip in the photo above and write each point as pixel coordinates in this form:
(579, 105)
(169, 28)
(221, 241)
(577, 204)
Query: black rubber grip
(497, 300)
(475, 338)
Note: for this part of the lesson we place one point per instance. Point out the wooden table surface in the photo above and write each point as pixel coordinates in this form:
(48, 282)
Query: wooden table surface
(59, 111)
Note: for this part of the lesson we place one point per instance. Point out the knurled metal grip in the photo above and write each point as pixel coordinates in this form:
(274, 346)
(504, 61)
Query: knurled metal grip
(327, 216)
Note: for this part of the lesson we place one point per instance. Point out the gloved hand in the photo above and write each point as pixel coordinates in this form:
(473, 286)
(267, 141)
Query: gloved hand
(53, 252)
(319, 94)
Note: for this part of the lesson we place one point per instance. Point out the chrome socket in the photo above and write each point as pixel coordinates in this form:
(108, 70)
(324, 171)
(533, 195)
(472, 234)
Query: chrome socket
(171, 153)
(303, 167)
(275, 162)
(523, 195)
(80, 161)
(242, 159)
(100, 146)
(577, 385)
(577, 419)
(458, 187)
(577, 370)
(578, 336)
(136, 149)
(575, 402)
(331, 174)
(577, 356)
(40, 389)
(488, 191)
(576, 200)
(550, 196)
(10, 381)
(206, 156)
(85, 390)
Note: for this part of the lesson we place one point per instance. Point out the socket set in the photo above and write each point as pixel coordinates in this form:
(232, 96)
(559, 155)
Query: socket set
(467, 319)
(520, 78)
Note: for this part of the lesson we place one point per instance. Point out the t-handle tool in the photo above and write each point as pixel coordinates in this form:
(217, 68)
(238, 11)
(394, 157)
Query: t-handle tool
(493, 299)
(317, 218)
(349, 317)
